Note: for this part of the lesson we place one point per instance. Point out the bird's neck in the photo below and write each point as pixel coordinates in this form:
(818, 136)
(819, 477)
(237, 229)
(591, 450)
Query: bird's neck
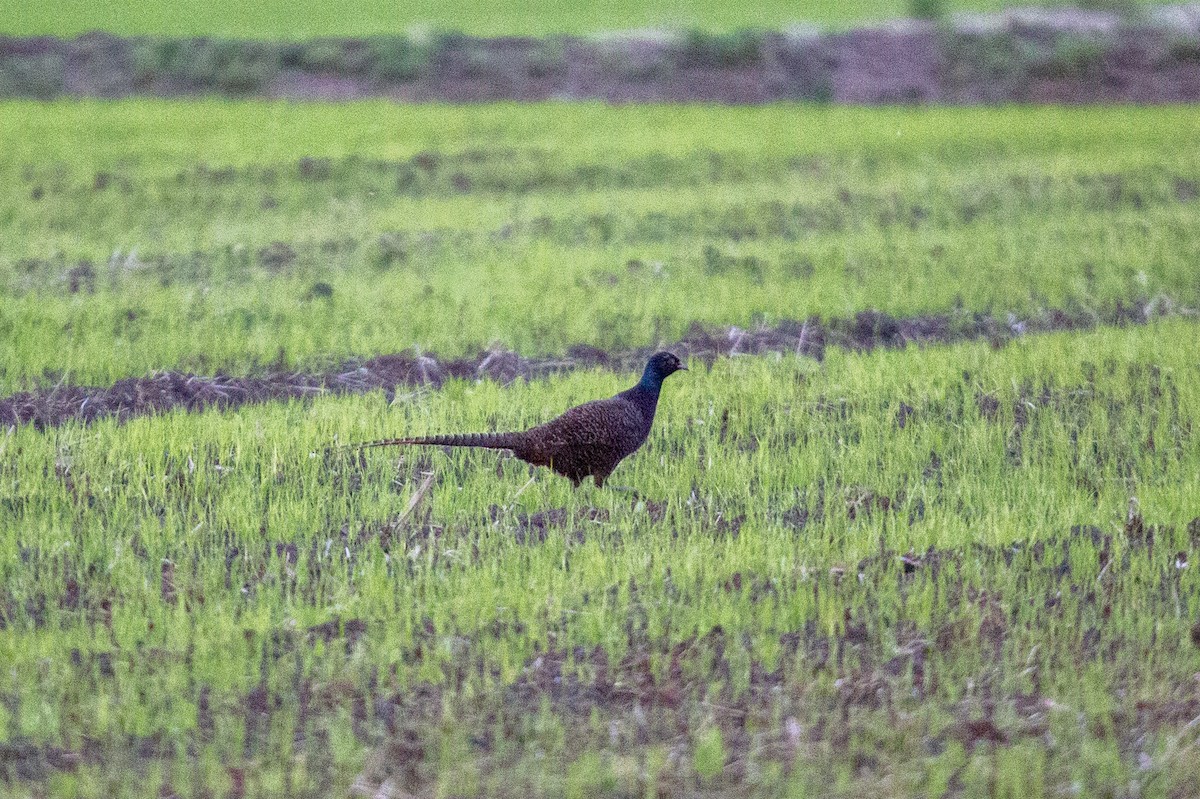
(650, 382)
(645, 396)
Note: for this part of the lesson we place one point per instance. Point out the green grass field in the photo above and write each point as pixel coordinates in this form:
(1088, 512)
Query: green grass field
(278, 20)
(961, 570)
(287, 234)
(194, 599)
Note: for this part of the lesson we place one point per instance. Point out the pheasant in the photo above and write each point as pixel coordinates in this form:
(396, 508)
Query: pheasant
(587, 440)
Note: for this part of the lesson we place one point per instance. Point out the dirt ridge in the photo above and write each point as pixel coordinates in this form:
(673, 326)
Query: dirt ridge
(1059, 55)
(168, 390)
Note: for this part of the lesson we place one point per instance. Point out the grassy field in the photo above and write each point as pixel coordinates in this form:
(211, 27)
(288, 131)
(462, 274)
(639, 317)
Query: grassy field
(955, 569)
(963, 571)
(285, 235)
(279, 20)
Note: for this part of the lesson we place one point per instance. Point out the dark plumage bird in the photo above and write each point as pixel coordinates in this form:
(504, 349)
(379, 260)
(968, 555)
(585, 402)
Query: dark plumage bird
(588, 440)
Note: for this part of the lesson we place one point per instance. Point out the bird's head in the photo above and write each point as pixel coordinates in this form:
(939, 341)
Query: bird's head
(660, 366)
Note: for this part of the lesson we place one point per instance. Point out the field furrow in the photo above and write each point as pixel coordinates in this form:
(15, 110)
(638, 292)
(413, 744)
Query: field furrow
(165, 390)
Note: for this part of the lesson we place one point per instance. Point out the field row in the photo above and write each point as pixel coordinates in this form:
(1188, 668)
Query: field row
(364, 229)
(732, 196)
(402, 372)
(994, 549)
(1039, 56)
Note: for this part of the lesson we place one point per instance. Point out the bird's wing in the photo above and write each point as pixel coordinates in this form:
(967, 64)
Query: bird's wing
(596, 423)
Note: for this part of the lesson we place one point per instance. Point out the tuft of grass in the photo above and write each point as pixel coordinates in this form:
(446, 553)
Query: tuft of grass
(1126, 8)
(709, 757)
(1184, 49)
(226, 65)
(1075, 56)
(40, 77)
(398, 58)
(699, 48)
(936, 10)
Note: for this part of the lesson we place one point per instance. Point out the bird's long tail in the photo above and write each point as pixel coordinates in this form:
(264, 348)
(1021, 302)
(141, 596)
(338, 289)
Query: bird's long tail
(511, 441)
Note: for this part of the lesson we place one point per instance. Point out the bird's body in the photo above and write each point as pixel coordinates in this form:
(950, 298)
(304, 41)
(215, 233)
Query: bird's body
(587, 440)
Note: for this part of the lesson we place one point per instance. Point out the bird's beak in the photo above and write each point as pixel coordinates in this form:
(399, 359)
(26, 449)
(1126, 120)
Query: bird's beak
(681, 368)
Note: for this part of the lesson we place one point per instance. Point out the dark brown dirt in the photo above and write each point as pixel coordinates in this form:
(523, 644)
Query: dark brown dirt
(1022, 55)
(163, 391)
